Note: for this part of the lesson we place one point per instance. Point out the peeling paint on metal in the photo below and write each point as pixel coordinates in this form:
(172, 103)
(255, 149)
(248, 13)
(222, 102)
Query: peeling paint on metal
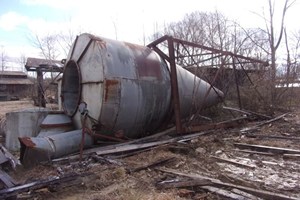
(101, 44)
(27, 142)
(147, 64)
(111, 89)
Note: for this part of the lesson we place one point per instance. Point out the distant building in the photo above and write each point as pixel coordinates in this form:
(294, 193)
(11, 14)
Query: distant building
(14, 85)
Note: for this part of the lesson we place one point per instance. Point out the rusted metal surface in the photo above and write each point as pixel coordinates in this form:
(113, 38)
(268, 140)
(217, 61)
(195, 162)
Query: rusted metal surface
(220, 51)
(27, 142)
(111, 89)
(174, 86)
(146, 62)
(127, 87)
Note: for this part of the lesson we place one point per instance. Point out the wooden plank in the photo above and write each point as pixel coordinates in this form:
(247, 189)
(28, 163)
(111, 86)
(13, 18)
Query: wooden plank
(220, 125)
(128, 154)
(272, 120)
(182, 183)
(233, 162)
(154, 164)
(262, 123)
(291, 155)
(247, 112)
(6, 179)
(245, 194)
(224, 193)
(216, 182)
(13, 191)
(104, 160)
(255, 152)
(272, 137)
(136, 141)
(261, 161)
(130, 146)
(277, 150)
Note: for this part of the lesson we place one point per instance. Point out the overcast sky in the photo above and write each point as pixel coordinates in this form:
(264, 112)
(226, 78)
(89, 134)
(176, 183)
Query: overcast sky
(128, 18)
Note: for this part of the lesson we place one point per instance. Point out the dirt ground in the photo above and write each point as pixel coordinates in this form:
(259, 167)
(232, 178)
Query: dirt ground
(276, 173)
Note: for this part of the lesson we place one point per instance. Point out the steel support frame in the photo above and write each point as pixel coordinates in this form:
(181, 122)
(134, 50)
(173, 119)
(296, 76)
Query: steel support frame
(173, 73)
(174, 85)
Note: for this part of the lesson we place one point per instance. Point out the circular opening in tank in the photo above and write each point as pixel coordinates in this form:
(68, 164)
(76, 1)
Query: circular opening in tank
(70, 89)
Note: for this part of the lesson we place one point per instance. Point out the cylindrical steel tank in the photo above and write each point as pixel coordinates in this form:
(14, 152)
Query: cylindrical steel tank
(126, 87)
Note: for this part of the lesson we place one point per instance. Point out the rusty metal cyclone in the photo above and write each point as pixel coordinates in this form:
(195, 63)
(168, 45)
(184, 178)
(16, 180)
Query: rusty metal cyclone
(126, 87)
(116, 89)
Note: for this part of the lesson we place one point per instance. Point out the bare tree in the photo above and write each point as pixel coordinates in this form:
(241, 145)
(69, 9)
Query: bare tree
(295, 55)
(48, 45)
(211, 29)
(274, 42)
(66, 39)
(3, 58)
(54, 45)
(22, 61)
(268, 40)
(196, 27)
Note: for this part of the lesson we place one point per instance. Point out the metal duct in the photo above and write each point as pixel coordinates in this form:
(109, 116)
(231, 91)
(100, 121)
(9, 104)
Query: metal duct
(38, 149)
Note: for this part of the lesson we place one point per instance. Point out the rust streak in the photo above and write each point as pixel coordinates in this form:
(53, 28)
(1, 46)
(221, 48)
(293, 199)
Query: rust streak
(27, 142)
(110, 86)
(148, 67)
(101, 44)
(56, 125)
(146, 61)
